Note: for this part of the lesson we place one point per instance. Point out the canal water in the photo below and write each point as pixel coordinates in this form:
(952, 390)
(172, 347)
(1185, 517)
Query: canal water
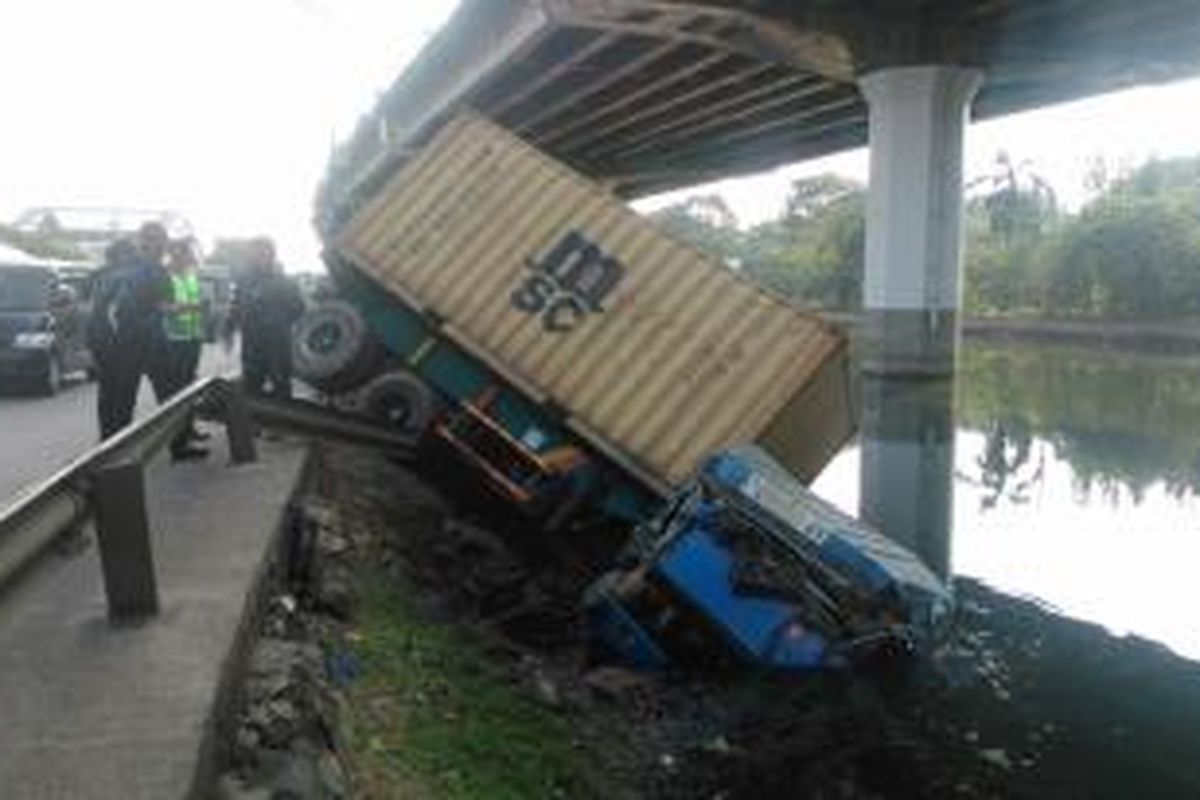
(1077, 484)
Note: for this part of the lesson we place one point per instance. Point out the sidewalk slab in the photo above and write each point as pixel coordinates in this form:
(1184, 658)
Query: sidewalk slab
(91, 711)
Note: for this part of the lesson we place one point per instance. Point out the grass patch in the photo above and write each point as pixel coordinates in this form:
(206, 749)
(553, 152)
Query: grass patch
(432, 717)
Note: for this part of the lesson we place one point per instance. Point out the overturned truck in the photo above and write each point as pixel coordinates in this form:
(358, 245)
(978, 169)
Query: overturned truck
(582, 363)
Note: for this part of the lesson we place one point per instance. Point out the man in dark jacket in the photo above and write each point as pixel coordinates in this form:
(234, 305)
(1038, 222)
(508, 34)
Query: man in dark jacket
(125, 332)
(265, 306)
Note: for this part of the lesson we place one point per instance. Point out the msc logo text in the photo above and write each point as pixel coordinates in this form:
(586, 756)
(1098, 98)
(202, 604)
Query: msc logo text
(568, 283)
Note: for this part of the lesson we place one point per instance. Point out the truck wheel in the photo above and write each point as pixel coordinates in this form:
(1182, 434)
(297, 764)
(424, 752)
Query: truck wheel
(333, 349)
(401, 401)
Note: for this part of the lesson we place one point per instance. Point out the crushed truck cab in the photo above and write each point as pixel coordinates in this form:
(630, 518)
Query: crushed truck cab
(747, 565)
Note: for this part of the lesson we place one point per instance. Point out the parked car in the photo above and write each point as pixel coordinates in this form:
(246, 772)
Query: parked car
(43, 317)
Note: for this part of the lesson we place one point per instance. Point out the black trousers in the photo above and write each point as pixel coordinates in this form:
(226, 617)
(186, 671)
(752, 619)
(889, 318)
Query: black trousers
(183, 360)
(120, 366)
(267, 363)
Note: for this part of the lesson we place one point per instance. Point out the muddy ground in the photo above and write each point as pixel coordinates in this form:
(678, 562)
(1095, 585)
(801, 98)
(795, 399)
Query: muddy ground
(1020, 703)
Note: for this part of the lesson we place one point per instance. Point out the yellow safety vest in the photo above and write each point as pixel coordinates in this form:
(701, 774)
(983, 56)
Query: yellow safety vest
(185, 325)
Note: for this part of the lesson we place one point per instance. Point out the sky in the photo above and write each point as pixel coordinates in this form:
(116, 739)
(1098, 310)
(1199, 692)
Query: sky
(1060, 143)
(224, 110)
(227, 110)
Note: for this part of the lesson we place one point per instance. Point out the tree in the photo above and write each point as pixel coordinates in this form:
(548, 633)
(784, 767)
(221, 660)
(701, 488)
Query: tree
(1017, 200)
(706, 222)
(1012, 217)
(813, 254)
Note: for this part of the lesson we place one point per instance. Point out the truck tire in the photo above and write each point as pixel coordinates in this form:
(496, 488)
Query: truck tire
(333, 349)
(402, 401)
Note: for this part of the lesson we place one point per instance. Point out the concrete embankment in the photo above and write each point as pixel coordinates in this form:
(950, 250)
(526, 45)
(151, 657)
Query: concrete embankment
(1163, 337)
(1168, 337)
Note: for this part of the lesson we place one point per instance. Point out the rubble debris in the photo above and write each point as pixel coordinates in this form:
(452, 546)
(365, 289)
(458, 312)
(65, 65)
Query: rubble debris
(997, 756)
(733, 735)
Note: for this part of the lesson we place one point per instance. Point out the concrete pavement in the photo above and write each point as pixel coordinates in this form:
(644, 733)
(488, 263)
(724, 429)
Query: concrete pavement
(91, 712)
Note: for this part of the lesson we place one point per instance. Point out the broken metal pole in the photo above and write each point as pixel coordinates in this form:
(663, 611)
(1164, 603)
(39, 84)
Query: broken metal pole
(123, 533)
(239, 428)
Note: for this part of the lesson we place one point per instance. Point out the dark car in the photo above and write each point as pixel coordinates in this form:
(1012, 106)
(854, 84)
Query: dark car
(43, 316)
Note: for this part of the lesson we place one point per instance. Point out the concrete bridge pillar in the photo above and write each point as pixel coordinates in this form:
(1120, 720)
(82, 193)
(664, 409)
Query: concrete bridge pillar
(909, 337)
(911, 288)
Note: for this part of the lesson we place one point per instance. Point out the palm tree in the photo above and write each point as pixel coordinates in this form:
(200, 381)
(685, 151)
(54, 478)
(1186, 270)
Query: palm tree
(1015, 198)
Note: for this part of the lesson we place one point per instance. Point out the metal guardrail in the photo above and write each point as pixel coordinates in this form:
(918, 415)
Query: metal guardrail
(107, 484)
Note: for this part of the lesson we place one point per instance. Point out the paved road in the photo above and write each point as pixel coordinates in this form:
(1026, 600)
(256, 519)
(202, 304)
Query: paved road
(40, 434)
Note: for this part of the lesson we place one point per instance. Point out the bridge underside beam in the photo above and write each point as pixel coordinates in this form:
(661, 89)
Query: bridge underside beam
(613, 87)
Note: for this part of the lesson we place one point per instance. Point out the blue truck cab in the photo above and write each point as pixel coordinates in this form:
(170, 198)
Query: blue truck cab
(746, 565)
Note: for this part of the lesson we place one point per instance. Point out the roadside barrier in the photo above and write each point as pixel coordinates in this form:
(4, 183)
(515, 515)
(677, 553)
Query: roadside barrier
(107, 484)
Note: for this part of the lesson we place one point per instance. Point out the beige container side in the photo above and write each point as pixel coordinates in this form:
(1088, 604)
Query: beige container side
(394, 233)
(818, 421)
(752, 402)
(686, 356)
(686, 331)
(685, 417)
(612, 341)
(482, 280)
(440, 165)
(442, 211)
(365, 225)
(625, 374)
(451, 224)
(673, 341)
(358, 228)
(699, 378)
(468, 235)
(651, 370)
(466, 255)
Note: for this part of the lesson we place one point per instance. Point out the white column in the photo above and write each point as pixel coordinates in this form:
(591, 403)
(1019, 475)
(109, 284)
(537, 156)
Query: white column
(911, 288)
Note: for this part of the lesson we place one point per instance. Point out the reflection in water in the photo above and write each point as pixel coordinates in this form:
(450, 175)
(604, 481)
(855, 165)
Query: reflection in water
(1076, 481)
(1123, 423)
(1005, 471)
(907, 433)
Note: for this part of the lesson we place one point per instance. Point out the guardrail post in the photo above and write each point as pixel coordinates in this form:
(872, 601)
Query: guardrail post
(239, 429)
(123, 531)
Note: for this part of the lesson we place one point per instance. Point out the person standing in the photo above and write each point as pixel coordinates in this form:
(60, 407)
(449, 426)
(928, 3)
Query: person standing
(126, 330)
(185, 336)
(265, 306)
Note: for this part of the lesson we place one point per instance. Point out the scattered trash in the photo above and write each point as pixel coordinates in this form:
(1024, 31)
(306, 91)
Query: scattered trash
(996, 756)
(343, 668)
(615, 683)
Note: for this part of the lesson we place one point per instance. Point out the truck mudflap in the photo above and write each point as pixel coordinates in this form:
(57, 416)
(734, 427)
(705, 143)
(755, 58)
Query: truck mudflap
(746, 566)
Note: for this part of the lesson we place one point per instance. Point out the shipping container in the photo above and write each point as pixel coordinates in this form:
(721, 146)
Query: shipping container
(654, 353)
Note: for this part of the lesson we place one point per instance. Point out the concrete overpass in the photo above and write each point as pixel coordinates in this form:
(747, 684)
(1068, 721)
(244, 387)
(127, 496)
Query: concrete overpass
(656, 94)
(650, 95)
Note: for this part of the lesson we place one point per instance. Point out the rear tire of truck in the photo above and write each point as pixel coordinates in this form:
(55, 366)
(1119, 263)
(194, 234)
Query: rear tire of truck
(401, 401)
(333, 349)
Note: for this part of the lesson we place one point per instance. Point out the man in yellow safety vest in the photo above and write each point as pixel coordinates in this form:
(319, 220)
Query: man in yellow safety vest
(184, 320)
